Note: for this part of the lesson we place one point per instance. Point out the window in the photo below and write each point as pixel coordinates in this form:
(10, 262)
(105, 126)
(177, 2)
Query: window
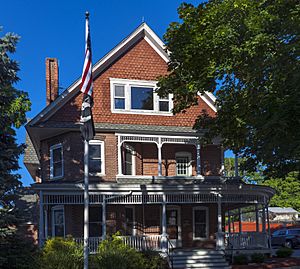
(200, 222)
(58, 221)
(183, 164)
(95, 221)
(56, 161)
(138, 96)
(129, 221)
(96, 157)
(129, 160)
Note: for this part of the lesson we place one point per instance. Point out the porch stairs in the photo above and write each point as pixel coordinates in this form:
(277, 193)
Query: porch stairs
(195, 258)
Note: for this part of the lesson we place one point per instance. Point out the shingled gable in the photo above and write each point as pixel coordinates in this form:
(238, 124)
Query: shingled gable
(143, 31)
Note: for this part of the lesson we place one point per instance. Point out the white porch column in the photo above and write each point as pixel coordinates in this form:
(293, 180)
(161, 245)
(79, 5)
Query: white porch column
(159, 158)
(41, 222)
(220, 234)
(104, 218)
(240, 220)
(164, 239)
(222, 172)
(256, 218)
(120, 173)
(236, 165)
(198, 159)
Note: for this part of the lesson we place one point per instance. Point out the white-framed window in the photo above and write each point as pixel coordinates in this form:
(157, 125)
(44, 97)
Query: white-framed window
(129, 160)
(56, 161)
(200, 222)
(96, 157)
(138, 96)
(183, 163)
(130, 228)
(58, 221)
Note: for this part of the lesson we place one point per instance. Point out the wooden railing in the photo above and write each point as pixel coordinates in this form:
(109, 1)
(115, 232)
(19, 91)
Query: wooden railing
(246, 240)
(141, 242)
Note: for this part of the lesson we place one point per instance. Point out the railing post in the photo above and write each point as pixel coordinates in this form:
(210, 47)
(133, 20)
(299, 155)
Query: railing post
(41, 222)
(103, 218)
(164, 236)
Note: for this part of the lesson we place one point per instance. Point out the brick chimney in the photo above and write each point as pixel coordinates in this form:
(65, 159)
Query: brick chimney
(51, 80)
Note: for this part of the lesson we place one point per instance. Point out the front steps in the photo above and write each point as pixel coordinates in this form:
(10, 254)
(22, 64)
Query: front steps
(204, 259)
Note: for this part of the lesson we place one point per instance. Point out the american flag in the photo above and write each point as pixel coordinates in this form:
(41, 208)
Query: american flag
(87, 128)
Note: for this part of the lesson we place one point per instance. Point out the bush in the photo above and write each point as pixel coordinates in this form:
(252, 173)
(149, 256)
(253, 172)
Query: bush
(154, 260)
(60, 253)
(257, 257)
(114, 254)
(240, 259)
(284, 252)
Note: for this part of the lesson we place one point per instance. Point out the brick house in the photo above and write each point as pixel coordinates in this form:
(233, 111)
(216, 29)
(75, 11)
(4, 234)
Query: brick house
(150, 178)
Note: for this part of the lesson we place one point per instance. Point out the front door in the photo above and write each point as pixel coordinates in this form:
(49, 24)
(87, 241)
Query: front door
(174, 226)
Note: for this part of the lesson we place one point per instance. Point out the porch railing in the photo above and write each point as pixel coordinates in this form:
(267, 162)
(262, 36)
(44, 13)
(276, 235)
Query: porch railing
(141, 242)
(246, 240)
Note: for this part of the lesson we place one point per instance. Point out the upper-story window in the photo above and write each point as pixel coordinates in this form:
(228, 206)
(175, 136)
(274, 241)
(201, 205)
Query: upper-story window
(138, 96)
(96, 157)
(183, 164)
(56, 161)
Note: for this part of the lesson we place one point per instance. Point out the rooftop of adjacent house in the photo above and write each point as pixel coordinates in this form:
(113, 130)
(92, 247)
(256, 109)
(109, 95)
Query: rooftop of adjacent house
(282, 210)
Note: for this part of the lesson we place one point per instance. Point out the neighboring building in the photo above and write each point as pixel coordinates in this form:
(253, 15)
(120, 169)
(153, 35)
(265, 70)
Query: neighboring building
(283, 214)
(150, 178)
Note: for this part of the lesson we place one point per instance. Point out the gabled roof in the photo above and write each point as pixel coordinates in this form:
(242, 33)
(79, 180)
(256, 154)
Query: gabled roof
(141, 32)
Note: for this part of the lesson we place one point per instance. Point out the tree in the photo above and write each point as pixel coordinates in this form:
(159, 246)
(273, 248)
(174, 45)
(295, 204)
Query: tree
(13, 106)
(247, 53)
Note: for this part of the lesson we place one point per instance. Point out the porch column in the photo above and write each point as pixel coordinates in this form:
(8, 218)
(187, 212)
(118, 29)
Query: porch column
(159, 146)
(263, 219)
(240, 220)
(222, 172)
(104, 218)
(220, 234)
(164, 236)
(269, 231)
(120, 173)
(198, 146)
(236, 165)
(46, 222)
(41, 222)
(229, 222)
(256, 218)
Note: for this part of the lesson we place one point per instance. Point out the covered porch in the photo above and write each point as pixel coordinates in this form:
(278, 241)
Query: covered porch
(160, 217)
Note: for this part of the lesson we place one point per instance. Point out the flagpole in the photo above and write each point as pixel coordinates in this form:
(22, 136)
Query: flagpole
(86, 205)
(86, 197)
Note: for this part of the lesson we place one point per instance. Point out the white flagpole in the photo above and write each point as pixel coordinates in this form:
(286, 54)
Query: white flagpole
(86, 206)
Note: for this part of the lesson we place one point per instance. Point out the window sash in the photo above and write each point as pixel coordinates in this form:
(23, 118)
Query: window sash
(96, 157)
(56, 161)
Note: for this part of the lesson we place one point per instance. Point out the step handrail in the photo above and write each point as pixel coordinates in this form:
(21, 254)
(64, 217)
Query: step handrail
(170, 249)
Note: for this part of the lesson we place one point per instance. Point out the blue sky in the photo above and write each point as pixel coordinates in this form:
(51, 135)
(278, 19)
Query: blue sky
(53, 28)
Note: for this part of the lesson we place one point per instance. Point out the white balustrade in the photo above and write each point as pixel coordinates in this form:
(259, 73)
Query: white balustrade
(246, 240)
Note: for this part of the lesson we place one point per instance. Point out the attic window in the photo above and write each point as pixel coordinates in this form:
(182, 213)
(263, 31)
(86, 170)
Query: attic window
(138, 97)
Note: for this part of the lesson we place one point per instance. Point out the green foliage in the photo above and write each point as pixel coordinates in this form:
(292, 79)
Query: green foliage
(258, 257)
(240, 259)
(284, 252)
(154, 260)
(287, 191)
(60, 253)
(247, 52)
(13, 106)
(114, 254)
(17, 252)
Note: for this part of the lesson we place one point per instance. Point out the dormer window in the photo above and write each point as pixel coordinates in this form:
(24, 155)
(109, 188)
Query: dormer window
(56, 161)
(138, 97)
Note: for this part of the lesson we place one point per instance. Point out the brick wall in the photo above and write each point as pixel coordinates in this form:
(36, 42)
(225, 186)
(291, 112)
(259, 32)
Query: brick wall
(141, 62)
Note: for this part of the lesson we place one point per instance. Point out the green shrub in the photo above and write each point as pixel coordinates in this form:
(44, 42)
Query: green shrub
(257, 257)
(240, 259)
(154, 260)
(114, 254)
(284, 252)
(60, 253)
